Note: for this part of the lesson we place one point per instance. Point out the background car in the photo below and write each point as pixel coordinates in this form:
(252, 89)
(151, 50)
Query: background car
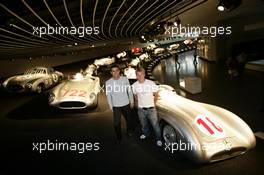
(130, 73)
(136, 50)
(121, 55)
(151, 47)
(78, 92)
(91, 70)
(104, 61)
(33, 80)
(159, 51)
(188, 42)
(135, 62)
(173, 47)
(209, 133)
(144, 56)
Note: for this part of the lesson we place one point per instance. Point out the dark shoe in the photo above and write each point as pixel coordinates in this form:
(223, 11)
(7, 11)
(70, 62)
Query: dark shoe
(159, 143)
(143, 137)
(129, 134)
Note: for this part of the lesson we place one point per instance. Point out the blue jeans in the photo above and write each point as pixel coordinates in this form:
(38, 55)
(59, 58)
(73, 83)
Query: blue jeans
(151, 115)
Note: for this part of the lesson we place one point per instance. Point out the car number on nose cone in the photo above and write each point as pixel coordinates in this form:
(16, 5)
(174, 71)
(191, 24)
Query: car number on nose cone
(74, 93)
(209, 126)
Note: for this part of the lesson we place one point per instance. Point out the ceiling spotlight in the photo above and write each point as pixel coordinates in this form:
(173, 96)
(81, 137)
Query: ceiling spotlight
(221, 7)
(143, 38)
(228, 5)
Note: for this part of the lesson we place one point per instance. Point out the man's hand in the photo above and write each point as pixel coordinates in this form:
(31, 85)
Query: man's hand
(135, 101)
(156, 97)
(132, 105)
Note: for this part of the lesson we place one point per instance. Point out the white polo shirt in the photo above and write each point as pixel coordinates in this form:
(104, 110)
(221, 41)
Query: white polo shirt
(144, 92)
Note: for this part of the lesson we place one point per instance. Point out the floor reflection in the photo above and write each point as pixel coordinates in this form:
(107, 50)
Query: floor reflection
(169, 72)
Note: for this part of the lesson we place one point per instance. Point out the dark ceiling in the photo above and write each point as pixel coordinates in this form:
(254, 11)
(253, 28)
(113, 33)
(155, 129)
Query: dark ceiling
(116, 19)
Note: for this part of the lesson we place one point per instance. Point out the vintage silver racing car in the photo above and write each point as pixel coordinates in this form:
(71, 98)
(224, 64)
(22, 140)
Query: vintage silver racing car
(121, 55)
(91, 70)
(135, 62)
(78, 92)
(158, 51)
(203, 132)
(130, 73)
(104, 61)
(33, 80)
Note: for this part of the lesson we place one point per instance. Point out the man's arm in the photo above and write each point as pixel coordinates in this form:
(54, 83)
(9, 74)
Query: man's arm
(134, 93)
(156, 96)
(109, 97)
(136, 101)
(130, 94)
(155, 89)
(109, 100)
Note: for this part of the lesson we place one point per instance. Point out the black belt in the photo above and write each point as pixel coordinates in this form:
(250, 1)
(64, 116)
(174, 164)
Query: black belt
(148, 108)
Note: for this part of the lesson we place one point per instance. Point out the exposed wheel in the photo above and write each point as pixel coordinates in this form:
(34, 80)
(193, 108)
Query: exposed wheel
(169, 134)
(39, 89)
(55, 78)
(95, 103)
(60, 79)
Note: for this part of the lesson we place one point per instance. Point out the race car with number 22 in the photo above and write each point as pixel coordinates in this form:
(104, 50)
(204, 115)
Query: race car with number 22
(78, 92)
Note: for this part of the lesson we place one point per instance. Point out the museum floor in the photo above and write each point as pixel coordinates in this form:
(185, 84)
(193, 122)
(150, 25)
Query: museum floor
(27, 119)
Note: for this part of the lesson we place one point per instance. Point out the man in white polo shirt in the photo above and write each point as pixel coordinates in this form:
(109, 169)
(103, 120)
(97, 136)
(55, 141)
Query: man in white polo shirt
(146, 94)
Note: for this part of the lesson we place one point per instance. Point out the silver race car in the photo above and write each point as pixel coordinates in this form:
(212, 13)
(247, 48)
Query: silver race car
(91, 70)
(130, 73)
(78, 92)
(173, 47)
(135, 62)
(151, 47)
(121, 55)
(104, 61)
(144, 56)
(33, 80)
(158, 51)
(203, 132)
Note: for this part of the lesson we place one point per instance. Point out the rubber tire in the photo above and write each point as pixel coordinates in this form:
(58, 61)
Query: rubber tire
(39, 89)
(169, 134)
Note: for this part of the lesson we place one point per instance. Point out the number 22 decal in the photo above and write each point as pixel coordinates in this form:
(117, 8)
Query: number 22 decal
(74, 93)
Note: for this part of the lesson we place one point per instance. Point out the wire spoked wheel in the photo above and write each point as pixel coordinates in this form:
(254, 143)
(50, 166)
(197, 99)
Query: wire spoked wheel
(169, 134)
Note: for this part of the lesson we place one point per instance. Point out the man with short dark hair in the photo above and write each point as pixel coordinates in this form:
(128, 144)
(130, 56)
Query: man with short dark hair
(146, 94)
(120, 100)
